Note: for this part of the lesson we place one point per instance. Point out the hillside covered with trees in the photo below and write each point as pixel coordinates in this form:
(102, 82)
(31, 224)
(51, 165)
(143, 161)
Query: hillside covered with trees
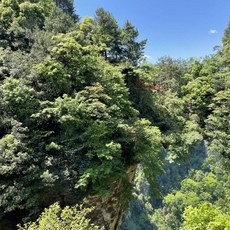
(80, 107)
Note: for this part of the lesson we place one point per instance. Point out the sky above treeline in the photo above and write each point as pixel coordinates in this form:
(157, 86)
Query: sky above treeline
(176, 28)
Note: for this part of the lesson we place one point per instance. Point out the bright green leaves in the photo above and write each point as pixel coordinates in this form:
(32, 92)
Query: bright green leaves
(181, 144)
(53, 78)
(18, 98)
(208, 97)
(48, 178)
(102, 173)
(96, 120)
(8, 9)
(67, 69)
(149, 139)
(88, 124)
(88, 26)
(66, 47)
(147, 148)
(202, 201)
(89, 119)
(191, 134)
(19, 19)
(10, 3)
(205, 217)
(7, 15)
(196, 69)
(198, 187)
(12, 155)
(170, 112)
(80, 114)
(199, 93)
(30, 16)
(55, 217)
(85, 106)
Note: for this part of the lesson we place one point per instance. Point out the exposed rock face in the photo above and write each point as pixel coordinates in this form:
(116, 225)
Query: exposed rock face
(109, 210)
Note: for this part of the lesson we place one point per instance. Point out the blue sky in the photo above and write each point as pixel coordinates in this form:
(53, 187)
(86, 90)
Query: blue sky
(176, 28)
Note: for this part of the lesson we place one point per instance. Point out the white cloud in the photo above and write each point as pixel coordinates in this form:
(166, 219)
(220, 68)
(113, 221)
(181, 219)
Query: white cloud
(212, 31)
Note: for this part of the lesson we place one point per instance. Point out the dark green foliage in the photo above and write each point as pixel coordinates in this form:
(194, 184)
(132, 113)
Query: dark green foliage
(148, 205)
(67, 7)
(73, 116)
(198, 95)
(118, 45)
(217, 124)
(170, 74)
(201, 186)
(195, 193)
(108, 33)
(132, 51)
(19, 172)
(68, 127)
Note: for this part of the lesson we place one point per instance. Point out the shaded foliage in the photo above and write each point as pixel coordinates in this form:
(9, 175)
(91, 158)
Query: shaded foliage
(73, 117)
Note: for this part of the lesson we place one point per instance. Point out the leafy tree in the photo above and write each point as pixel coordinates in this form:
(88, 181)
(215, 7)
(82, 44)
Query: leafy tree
(202, 196)
(170, 74)
(19, 183)
(205, 216)
(19, 19)
(198, 96)
(196, 69)
(88, 27)
(217, 123)
(56, 218)
(18, 99)
(76, 106)
(73, 109)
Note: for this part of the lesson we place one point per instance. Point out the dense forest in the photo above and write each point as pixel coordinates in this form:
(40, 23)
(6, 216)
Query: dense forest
(82, 113)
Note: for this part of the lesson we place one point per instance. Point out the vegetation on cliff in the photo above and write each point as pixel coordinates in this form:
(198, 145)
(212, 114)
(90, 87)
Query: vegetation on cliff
(74, 116)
